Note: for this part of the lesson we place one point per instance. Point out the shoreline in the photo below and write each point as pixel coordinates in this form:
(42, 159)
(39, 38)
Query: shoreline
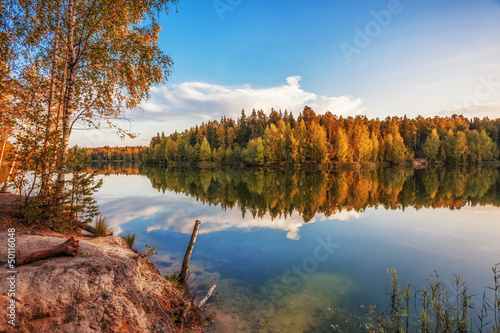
(107, 287)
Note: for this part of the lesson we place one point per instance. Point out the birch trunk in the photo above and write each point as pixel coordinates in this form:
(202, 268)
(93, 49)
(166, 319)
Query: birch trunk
(48, 165)
(68, 98)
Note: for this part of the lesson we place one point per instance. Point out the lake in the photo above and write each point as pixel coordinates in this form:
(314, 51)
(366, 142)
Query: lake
(302, 250)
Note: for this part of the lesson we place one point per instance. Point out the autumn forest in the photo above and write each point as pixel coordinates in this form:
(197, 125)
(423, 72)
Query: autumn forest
(280, 139)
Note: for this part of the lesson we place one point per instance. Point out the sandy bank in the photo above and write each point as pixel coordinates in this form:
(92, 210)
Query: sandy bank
(106, 288)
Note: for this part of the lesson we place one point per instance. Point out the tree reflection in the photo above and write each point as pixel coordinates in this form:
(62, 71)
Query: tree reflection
(309, 192)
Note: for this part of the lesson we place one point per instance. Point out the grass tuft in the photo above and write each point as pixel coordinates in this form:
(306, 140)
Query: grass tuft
(102, 228)
(130, 238)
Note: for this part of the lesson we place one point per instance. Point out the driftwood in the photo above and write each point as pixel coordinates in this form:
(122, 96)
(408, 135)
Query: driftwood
(187, 256)
(69, 248)
(85, 226)
(205, 299)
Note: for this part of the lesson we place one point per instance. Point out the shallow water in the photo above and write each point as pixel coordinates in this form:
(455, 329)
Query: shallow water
(302, 251)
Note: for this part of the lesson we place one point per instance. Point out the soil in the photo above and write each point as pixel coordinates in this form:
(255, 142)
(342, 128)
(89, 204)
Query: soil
(107, 287)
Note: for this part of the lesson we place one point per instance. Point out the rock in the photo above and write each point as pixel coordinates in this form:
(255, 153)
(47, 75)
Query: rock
(106, 288)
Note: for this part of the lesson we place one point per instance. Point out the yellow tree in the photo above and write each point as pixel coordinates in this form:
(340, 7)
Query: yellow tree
(363, 145)
(318, 147)
(272, 145)
(291, 146)
(99, 56)
(341, 147)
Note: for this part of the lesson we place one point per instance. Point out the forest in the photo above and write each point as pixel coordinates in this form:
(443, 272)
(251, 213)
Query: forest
(114, 154)
(280, 139)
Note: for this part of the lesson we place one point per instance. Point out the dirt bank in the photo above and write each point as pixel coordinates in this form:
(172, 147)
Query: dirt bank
(105, 288)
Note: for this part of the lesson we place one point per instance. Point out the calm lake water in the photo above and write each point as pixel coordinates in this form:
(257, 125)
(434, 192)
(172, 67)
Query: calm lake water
(299, 251)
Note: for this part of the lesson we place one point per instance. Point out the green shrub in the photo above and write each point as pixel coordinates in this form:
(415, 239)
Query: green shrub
(150, 251)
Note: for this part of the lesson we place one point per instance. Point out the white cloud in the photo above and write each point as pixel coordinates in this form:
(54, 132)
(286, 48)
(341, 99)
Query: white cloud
(483, 110)
(190, 103)
(204, 101)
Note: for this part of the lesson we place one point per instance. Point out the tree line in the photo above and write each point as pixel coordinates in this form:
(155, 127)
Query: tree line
(280, 139)
(114, 154)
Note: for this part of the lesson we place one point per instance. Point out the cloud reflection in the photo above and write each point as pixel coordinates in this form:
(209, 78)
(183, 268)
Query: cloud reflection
(167, 212)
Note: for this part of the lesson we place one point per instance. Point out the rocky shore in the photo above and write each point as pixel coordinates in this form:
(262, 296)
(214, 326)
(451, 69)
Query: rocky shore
(105, 288)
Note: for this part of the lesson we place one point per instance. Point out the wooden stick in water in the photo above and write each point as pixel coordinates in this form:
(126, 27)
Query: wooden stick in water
(207, 297)
(187, 256)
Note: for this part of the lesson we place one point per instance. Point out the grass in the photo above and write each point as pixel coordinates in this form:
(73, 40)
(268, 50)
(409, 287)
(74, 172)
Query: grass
(174, 278)
(438, 307)
(102, 228)
(130, 238)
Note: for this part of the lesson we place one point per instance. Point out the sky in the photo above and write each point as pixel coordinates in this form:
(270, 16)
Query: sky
(376, 58)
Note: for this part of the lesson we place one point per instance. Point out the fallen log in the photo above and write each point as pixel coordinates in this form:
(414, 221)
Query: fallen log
(85, 226)
(187, 256)
(69, 248)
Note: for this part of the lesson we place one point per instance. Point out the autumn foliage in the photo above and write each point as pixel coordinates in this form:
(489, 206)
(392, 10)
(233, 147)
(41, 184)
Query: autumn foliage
(280, 139)
(68, 65)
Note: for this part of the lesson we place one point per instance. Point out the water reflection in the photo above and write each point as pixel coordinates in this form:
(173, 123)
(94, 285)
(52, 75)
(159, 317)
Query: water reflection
(440, 218)
(280, 193)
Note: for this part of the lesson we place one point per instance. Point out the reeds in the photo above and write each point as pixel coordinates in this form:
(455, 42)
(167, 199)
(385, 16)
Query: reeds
(438, 307)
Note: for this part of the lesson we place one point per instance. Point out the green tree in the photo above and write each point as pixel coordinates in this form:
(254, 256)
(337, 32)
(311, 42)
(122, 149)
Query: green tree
(205, 150)
(431, 146)
(171, 150)
(259, 152)
(480, 146)
(254, 152)
(455, 147)
(395, 150)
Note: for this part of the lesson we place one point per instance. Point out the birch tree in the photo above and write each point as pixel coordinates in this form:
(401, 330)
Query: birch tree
(100, 56)
(90, 60)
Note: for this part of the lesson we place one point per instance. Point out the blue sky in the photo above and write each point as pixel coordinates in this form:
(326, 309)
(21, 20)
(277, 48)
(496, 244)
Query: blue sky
(379, 58)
